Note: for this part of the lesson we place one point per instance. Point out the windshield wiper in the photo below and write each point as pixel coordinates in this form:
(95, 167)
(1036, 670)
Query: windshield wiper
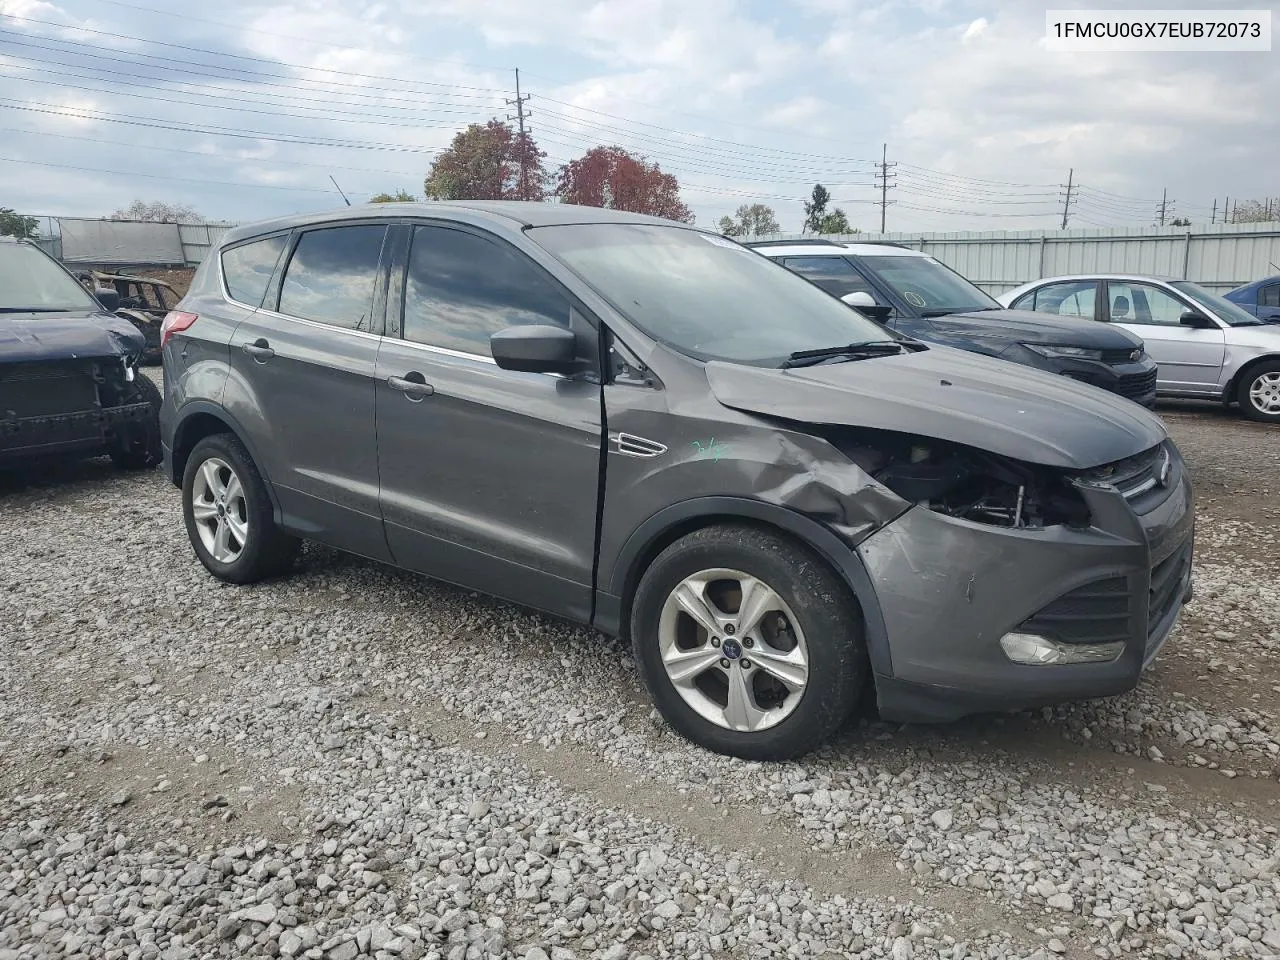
(946, 311)
(852, 351)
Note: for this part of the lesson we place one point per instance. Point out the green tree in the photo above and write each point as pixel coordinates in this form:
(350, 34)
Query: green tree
(815, 208)
(835, 222)
(400, 196)
(15, 225)
(750, 220)
(490, 162)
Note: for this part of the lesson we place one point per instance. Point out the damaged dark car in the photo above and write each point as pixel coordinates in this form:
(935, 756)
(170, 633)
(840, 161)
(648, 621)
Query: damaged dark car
(644, 427)
(69, 379)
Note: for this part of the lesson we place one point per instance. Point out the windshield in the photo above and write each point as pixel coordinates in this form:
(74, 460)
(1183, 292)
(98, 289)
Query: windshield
(704, 295)
(29, 280)
(926, 284)
(1226, 310)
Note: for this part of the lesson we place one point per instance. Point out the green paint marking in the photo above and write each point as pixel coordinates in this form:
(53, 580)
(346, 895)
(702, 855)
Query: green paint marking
(710, 449)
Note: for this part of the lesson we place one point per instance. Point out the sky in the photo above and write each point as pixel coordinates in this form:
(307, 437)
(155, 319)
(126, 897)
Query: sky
(245, 110)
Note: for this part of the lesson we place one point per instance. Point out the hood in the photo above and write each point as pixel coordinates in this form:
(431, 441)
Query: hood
(1026, 326)
(945, 394)
(66, 336)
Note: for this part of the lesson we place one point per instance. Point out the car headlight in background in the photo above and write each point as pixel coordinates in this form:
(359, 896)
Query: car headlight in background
(1075, 353)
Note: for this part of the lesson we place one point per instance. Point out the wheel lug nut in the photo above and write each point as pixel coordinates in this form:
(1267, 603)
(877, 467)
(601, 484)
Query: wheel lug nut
(724, 664)
(746, 664)
(729, 628)
(715, 641)
(748, 642)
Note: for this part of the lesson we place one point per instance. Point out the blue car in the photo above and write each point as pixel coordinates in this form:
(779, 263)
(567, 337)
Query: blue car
(1261, 298)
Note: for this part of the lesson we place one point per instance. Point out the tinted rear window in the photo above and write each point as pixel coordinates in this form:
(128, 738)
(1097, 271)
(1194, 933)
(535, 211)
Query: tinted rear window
(248, 268)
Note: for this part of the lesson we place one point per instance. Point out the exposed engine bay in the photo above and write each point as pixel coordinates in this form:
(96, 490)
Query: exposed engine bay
(964, 482)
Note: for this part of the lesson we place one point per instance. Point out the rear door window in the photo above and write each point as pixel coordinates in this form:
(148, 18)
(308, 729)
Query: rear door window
(1072, 298)
(1269, 296)
(332, 276)
(247, 268)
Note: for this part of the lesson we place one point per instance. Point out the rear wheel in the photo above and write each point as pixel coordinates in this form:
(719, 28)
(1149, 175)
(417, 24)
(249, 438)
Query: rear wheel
(228, 514)
(748, 644)
(1259, 392)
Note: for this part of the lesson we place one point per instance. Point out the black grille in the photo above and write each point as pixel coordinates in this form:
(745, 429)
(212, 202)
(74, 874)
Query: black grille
(1112, 357)
(45, 389)
(1134, 475)
(1167, 579)
(1136, 385)
(1098, 612)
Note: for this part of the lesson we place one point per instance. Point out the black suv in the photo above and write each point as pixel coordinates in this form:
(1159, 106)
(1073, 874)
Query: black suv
(638, 425)
(921, 297)
(69, 380)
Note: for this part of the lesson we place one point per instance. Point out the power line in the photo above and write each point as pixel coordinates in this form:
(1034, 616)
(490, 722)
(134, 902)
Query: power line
(159, 176)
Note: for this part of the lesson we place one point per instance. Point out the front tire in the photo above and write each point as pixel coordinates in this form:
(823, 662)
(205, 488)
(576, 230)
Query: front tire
(1259, 392)
(748, 643)
(228, 514)
(139, 445)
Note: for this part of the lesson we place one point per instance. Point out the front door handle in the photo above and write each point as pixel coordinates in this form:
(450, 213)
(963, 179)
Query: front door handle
(260, 350)
(413, 385)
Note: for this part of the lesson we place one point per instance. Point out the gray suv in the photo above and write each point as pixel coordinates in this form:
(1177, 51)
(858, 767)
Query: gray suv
(644, 427)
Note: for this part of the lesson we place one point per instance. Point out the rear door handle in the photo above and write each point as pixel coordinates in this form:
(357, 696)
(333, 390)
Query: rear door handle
(414, 386)
(260, 350)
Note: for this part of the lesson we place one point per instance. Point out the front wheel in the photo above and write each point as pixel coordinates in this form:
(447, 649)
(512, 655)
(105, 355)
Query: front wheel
(228, 514)
(748, 644)
(1259, 392)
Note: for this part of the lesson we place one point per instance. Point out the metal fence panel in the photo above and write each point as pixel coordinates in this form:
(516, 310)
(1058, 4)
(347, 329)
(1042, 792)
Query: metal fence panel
(1218, 257)
(199, 238)
(120, 242)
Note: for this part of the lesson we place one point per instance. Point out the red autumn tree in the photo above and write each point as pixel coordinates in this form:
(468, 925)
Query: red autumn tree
(611, 177)
(485, 163)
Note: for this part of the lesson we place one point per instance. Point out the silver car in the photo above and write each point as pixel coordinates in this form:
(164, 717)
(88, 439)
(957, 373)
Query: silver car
(1206, 346)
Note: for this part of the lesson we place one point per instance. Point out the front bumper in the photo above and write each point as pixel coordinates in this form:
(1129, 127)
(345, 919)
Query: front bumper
(23, 438)
(1135, 381)
(950, 589)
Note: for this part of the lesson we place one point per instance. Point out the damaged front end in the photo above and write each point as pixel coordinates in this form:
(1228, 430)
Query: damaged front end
(1010, 584)
(964, 482)
(80, 406)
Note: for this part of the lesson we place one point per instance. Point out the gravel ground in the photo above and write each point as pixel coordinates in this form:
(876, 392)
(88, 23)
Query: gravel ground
(357, 762)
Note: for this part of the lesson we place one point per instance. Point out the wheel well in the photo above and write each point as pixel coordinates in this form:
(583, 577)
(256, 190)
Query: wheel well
(1229, 395)
(190, 432)
(684, 527)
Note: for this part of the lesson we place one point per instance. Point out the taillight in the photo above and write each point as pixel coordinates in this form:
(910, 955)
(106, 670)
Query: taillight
(175, 321)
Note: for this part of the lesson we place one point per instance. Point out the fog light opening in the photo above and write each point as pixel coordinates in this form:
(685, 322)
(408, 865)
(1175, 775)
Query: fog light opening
(1031, 648)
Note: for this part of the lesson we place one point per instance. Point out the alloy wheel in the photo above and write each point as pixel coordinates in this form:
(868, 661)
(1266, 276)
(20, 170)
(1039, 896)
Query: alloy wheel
(733, 650)
(220, 511)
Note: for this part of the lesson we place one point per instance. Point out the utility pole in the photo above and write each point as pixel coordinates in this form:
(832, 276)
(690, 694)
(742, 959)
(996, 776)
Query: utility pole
(885, 184)
(1164, 203)
(519, 103)
(1213, 217)
(1226, 209)
(1066, 206)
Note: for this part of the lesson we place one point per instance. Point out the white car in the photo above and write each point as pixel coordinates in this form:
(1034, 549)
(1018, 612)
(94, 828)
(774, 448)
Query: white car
(1207, 347)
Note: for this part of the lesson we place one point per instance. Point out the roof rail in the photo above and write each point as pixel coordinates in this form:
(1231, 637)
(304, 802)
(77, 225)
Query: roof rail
(806, 242)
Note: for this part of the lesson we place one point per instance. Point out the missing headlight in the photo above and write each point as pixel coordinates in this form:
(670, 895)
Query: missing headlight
(964, 482)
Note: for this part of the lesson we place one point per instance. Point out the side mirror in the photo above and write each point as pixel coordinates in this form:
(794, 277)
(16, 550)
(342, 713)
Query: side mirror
(866, 304)
(535, 348)
(108, 297)
(1196, 319)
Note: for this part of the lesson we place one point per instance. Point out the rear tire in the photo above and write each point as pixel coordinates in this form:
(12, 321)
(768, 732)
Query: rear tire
(774, 623)
(1259, 392)
(229, 516)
